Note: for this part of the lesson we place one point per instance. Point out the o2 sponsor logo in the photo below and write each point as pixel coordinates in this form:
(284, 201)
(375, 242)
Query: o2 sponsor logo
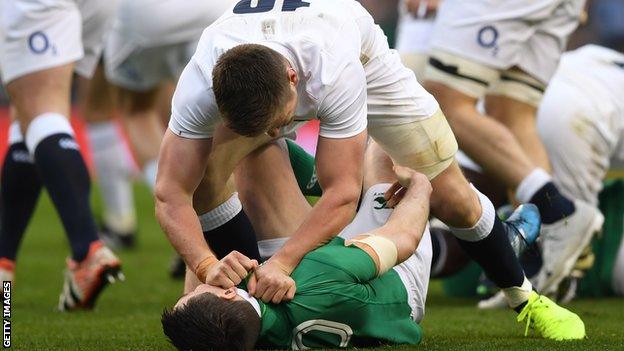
(487, 37)
(39, 43)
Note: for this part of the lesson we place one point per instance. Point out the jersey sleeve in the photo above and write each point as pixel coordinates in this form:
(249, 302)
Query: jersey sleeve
(343, 111)
(194, 111)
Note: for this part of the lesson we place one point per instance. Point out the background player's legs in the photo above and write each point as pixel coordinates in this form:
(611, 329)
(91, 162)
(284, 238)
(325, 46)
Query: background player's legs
(110, 157)
(140, 116)
(42, 104)
(20, 186)
(570, 224)
(520, 119)
(486, 141)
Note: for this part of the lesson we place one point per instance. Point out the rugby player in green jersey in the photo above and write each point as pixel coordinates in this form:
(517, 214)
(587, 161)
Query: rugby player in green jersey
(358, 289)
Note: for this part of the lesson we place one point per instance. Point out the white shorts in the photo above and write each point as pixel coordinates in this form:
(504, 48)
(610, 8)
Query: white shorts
(41, 34)
(393, 94)
(502, 34)
(153, 40)
(579, 137)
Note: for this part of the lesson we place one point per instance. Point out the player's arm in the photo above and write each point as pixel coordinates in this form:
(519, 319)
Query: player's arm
(181, 168)
(339, 171)
(398, 238)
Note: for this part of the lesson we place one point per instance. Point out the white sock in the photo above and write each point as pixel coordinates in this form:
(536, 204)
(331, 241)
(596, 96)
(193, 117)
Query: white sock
(531, 184)
(484, 225)
(221, 214)
(518, 295)
(113, 176)
(150, 170)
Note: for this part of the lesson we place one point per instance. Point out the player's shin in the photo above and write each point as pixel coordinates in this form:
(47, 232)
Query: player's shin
(20, 186)
(111, 161)
(488, 244)
(50, 139)
(227, 228)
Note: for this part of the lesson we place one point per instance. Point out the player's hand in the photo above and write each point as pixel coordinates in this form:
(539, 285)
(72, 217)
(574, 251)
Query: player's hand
(271, 282)
(408, 180)
(422, 8)
(230, 270)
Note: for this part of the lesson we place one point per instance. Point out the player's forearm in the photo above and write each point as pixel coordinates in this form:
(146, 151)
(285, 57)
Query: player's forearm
(409, 218)
(181, 225)
(328, 217)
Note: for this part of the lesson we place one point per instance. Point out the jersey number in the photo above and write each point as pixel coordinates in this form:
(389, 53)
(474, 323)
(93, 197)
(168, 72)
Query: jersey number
(343, 331)
(267, 5)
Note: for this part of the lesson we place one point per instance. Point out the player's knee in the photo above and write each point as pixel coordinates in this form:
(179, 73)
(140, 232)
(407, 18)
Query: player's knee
(459, 208)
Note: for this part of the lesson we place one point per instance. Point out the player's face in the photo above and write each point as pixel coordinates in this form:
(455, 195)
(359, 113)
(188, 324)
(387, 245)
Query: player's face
(227, 294)
(287, 115)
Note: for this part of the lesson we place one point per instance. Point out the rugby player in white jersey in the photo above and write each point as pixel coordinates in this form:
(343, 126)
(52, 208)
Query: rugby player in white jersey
(258, 70)
(43, 42)
(505, 53)
(581, 121)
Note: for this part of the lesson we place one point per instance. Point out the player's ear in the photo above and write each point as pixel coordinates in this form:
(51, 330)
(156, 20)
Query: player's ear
(228, 294)
(273, 133)
(292, 75)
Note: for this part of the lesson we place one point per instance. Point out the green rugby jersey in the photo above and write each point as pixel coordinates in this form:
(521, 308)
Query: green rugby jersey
(339, 303)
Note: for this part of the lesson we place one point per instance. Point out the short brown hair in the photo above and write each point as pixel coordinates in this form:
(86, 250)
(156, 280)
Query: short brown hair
(207, 322)
(250, 84)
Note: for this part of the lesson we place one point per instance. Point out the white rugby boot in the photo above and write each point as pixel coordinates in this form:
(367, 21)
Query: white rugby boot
(563, 242)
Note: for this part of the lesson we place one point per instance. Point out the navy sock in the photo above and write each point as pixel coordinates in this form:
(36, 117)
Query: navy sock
(495, 255)
(552, 205)
(65, 176)
(237, 234)
(21, 187)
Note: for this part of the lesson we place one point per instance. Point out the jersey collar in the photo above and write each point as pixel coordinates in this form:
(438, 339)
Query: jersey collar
(245, 295)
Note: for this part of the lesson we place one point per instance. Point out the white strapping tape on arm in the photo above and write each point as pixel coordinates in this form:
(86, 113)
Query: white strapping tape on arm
(385, 249)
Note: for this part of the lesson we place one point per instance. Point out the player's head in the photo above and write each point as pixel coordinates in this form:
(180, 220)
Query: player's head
(255, 89)
(212, 318)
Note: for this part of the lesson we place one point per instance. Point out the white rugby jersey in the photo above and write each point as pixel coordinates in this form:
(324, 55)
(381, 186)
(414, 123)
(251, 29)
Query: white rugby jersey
(324, 41)
(598, 72)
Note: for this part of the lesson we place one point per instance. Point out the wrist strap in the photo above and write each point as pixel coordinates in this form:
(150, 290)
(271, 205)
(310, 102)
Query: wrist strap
(201, 270)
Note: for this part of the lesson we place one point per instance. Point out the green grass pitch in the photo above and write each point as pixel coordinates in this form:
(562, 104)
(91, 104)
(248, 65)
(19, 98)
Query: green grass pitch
(127, 316)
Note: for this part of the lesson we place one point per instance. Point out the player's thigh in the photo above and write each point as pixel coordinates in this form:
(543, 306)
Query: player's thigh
(427, 145)
(269, 192)
(404, 119)
(579, 150)
(96, 97)
(456, 75)
(41, 92)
